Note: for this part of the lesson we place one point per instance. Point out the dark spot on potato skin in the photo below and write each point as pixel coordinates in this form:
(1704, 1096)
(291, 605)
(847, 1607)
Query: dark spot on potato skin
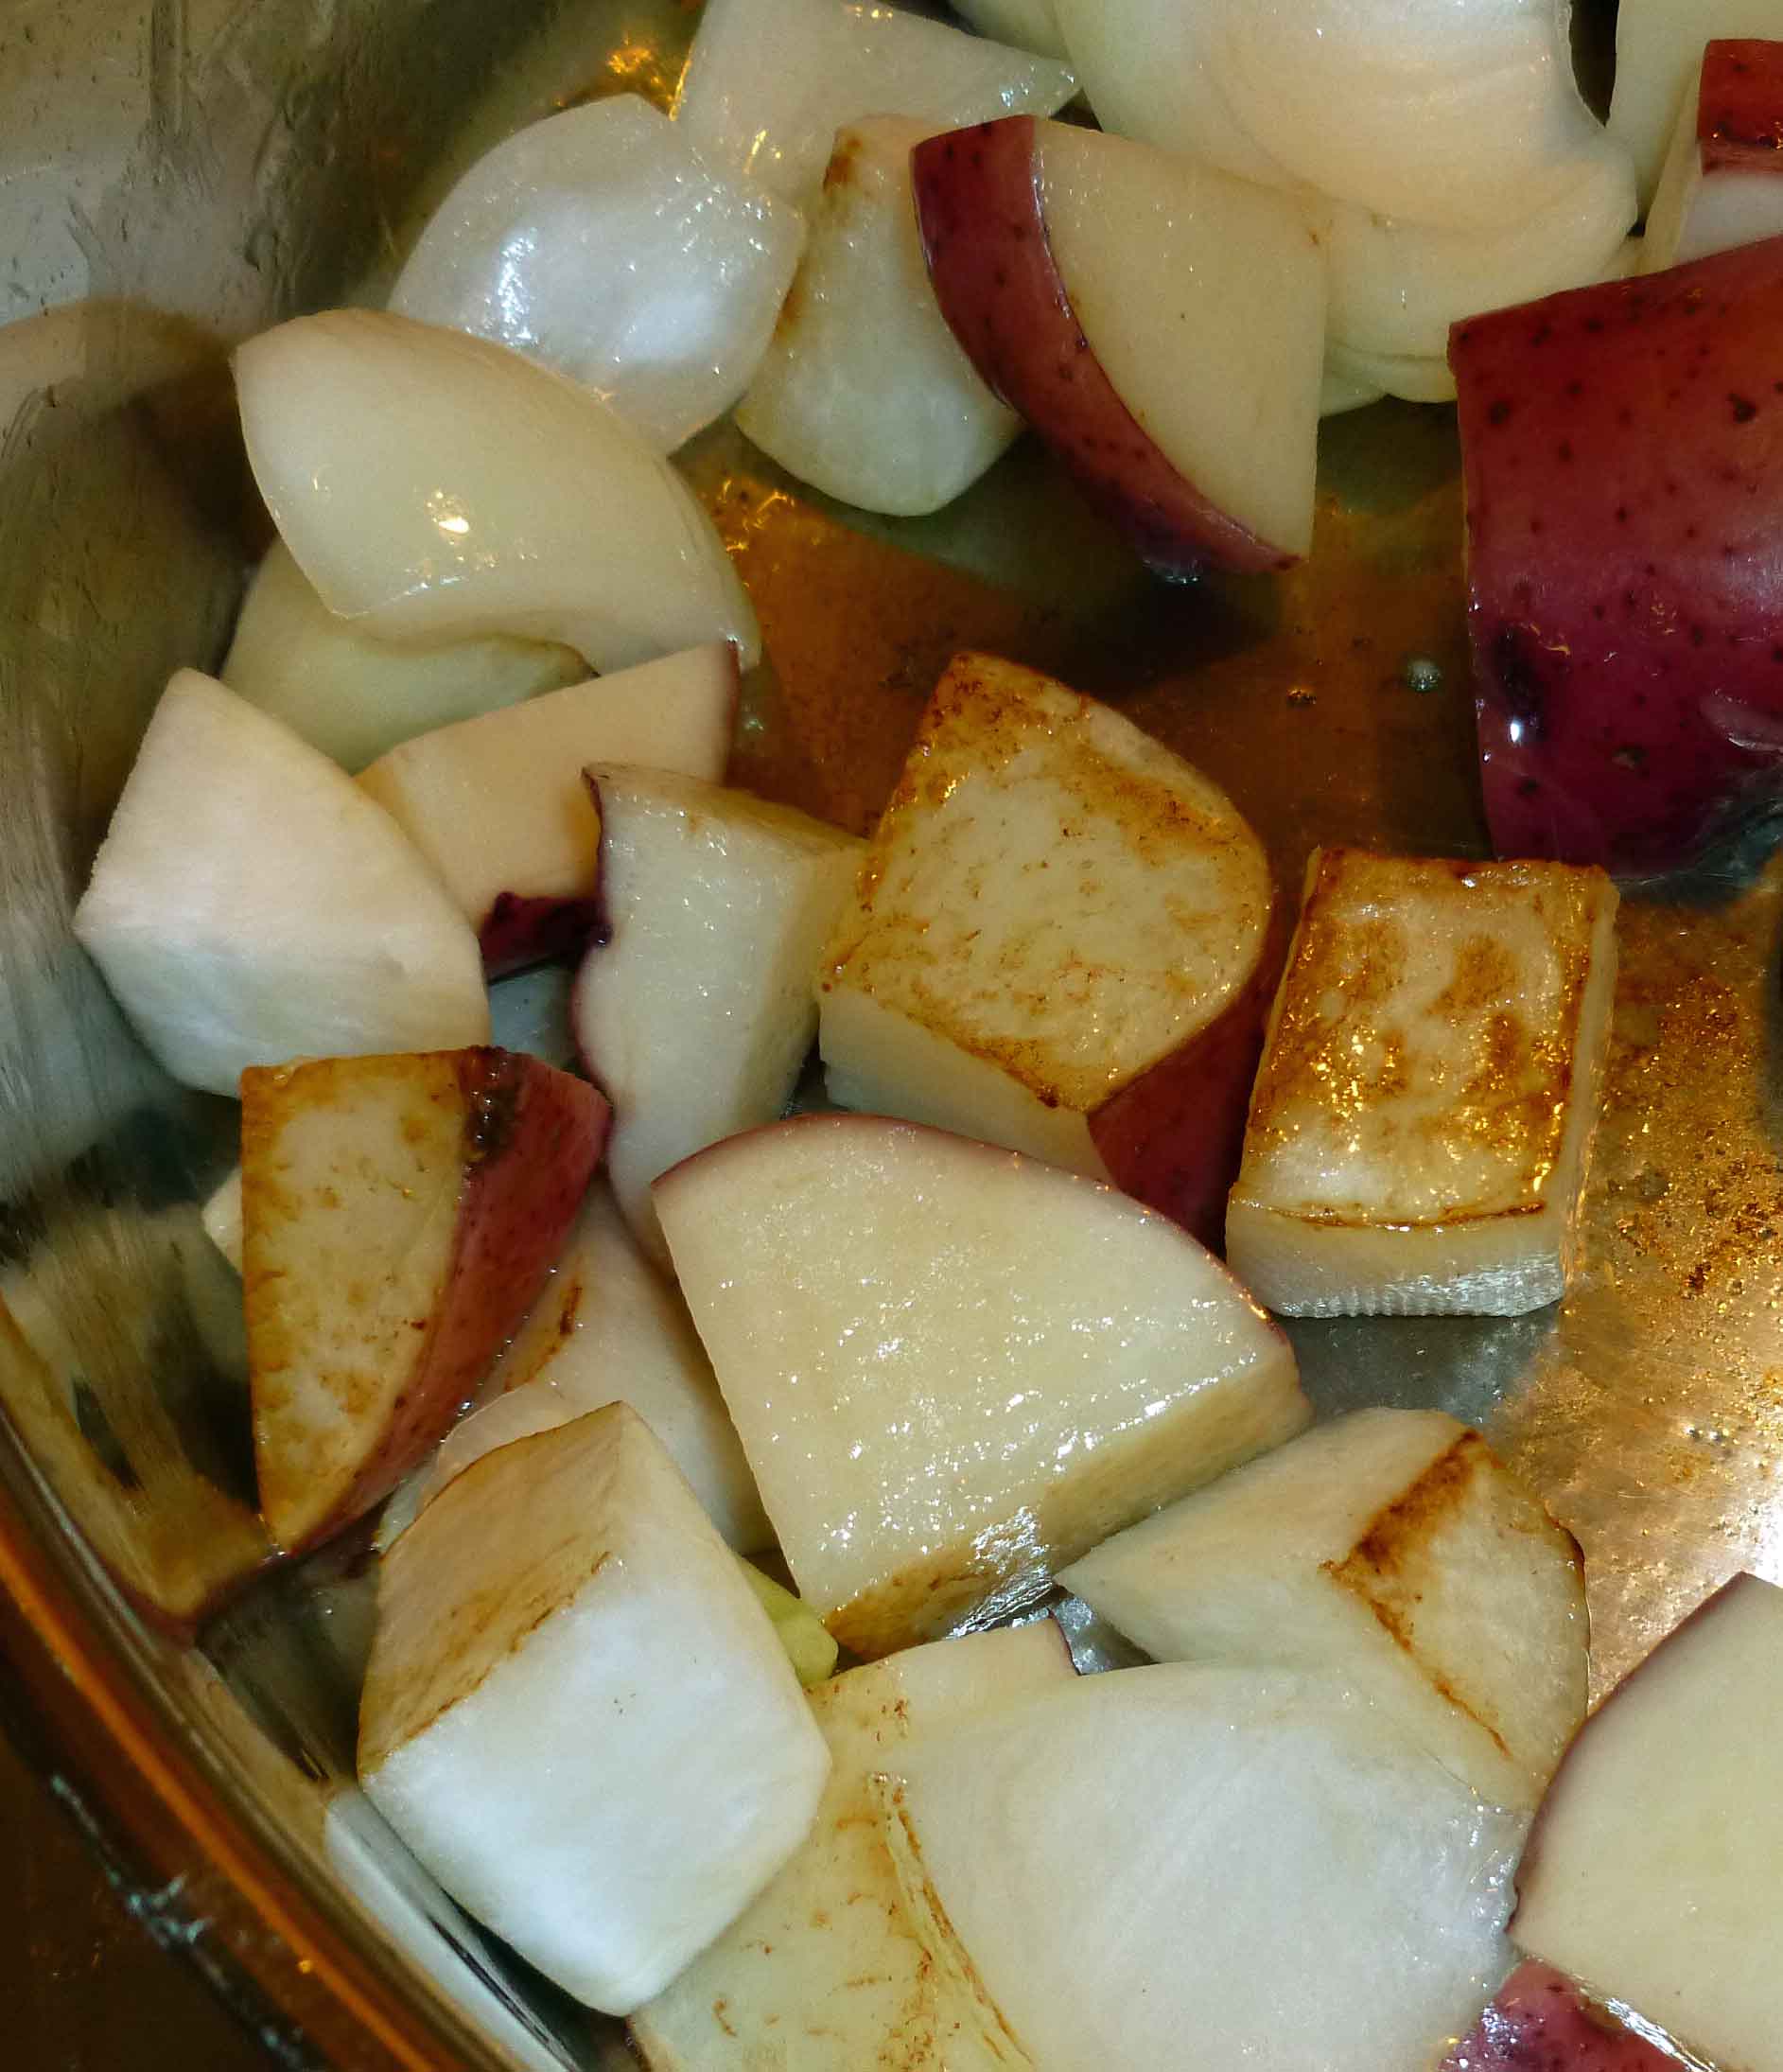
(1524, 671)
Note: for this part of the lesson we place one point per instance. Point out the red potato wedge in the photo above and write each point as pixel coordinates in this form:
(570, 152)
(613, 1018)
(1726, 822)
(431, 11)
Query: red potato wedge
(1740, 103)
(1062, 940)
(954, 1369)
(498, 806)
(400, 1216)
(1654, 1871)
(1658, 48)
(1623, 454)
(1541, 2023)
(1721, 185)
(1159, 325)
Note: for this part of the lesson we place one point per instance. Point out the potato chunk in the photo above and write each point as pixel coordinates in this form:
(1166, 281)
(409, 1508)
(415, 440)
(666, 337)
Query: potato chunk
(1419, 1128)
(1393, 1549)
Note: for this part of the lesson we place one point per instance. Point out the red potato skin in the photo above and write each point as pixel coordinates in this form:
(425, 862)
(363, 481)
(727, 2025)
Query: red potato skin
(983, 235)
(520, 930)
(1173, 1138)
(534, 1138)
(1541, 2023)
(1740, 106)
(1622, 455)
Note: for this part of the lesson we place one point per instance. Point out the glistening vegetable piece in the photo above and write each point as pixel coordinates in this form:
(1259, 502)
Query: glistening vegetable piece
(865, 392)
(1658, 48)
(769, 83)
(1203, 1867)
(352, 696)
(1159, 325)
(497, 805)
(597, 243)
(1396, 287)
(1451, 117)
(1652, 1873)
(955, 1369)
(435, 486)
(696, 1008)
(1419, 1128)
(825, 1972)
(1723, 183)
(250, 905)
(1541, 2023)
(400, 1215)
(1058, 941)
(577, 1713)
(1623, 453)
(1392, 1552)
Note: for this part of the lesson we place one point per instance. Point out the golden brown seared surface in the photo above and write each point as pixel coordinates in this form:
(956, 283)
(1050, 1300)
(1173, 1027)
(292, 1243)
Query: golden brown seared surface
(1052, 890)
(1420, 1063)
(427, 1658)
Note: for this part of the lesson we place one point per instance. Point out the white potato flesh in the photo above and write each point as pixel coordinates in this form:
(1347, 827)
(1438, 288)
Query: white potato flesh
(1396, 287)
(769, 83)
(498, 803)
(597, 242)
(577, 1713)
(216, 909)
(1029, 24)
(1201, 1868)
(696, 1011)
(1697, 208)
(1652, 1874)
(436, 486)
(1148, 68)
(865, 392)
(825, 1973)
(991, 977)
(1419, 1125)
(1658, 53)
(954, 1369)
(1393, 1552)
(353, 698)
(1204, 300)
(608, 1329)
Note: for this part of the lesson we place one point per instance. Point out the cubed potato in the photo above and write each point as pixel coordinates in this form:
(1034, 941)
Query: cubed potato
(400, 1215)
(952, 1369)
(1419, 1128)
(1057, 943)
(1394, 1551)
(696, 1008)
(825, 1973)
(577, 1714)
(1655, 1872)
